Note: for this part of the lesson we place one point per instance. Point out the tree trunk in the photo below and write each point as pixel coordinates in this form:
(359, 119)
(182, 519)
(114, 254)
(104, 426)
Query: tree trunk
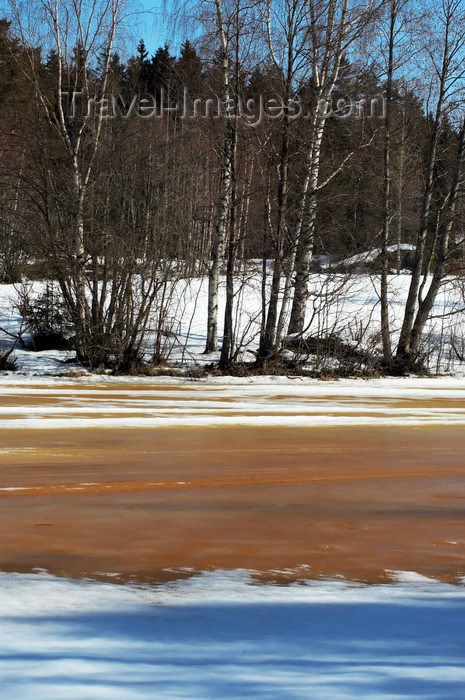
(384, 290)
(268, 338)
(426, 305)
(227, 345)
(79, 260)
(305, 231)
(404, 348)
(219, 237)
(219, 242)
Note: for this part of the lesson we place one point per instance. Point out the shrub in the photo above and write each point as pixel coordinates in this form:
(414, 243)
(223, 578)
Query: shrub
(8, 363)
(45, 319)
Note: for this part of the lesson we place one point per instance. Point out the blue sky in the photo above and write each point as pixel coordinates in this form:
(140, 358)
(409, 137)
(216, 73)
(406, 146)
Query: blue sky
(155, 28)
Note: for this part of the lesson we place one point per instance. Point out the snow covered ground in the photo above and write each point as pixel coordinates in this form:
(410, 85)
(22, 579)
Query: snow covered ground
(223, 635)
(217, 636)
(348, 307)
(370, 256)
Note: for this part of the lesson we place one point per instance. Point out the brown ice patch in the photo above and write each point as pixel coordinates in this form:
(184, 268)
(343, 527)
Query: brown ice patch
(159, 396)
(348, 501)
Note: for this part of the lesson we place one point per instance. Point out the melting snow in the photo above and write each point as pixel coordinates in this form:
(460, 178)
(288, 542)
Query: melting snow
(217, 635)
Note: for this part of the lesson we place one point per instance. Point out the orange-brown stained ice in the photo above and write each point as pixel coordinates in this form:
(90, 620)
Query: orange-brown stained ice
(341, 501)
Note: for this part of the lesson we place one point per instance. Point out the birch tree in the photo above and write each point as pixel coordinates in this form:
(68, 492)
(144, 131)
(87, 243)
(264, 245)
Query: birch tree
(398, 40)
(224, 200)
(333, 27)
(79, 34)
(286, 31)
(445, 52)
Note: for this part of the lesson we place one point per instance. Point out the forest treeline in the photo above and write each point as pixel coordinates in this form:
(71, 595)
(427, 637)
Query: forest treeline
(291, 133)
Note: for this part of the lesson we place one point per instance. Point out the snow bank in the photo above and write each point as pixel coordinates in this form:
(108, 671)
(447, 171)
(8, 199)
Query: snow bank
(348, 311)
(217, 636)
(370, 256)
(134, 404)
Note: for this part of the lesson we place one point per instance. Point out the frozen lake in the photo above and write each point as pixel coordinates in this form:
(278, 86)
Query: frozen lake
(211, 540)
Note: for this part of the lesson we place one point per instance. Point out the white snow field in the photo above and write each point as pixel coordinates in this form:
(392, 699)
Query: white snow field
(217, 636)
(347, 306)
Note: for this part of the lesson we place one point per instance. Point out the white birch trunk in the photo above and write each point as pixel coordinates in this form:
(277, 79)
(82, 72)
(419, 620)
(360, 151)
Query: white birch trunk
(224, 203)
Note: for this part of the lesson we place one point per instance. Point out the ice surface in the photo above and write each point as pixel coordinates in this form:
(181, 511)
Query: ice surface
(31, 403)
